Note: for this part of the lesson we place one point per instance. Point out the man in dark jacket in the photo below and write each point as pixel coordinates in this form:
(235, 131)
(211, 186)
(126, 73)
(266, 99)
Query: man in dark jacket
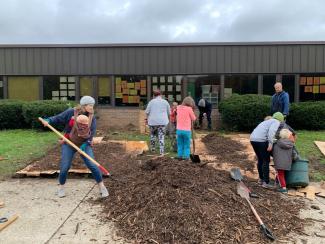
(205, 108)
(280, 100)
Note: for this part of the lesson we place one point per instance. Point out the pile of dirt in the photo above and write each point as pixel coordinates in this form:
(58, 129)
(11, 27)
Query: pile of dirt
(228, 151)
(169, 201)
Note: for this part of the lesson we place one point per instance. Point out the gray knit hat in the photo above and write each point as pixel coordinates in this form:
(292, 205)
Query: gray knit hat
(85, 100)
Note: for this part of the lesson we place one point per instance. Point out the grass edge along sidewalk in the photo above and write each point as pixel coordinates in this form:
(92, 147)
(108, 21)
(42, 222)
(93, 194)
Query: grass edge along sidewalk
(19, 147)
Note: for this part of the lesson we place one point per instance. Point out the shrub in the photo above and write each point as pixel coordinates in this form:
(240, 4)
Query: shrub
(244, 112)
(11, 116)
(307, 115)
(46, 108)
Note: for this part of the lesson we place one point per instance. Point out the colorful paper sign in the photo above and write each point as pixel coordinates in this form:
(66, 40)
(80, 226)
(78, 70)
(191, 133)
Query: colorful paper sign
(310, 80)
(303, 81)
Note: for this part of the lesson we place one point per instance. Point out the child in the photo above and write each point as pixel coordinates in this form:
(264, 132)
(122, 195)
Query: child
(282, 156)
(185, 117)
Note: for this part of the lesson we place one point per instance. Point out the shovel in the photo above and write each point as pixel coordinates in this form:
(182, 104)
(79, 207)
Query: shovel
(237, 176)
(244, 194)
(194, 157)
(104, 171)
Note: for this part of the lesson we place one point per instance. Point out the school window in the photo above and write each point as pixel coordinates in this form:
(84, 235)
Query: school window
(240, 84)
(17, 88)
(170, 87)
(288, 84)
(268, 84)
(130, 90)
(312, 87)
(59, 88)
(104, 90)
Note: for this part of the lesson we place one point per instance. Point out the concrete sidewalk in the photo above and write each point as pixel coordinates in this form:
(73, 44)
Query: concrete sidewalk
(45, 218)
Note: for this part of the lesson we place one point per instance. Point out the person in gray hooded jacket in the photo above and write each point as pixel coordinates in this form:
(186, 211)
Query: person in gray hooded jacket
(282, 156)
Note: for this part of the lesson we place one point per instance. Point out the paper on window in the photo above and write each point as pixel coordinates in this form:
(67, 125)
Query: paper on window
(162, 79)
(71, 79)
(170, 98)
(71, 86)
(55, 93)
(63, 99)
(71, 93)
(178, 98)
(55, 98)
(63, 93)
(1, 83)
(63, 79)
(154, 79)
(170, 88)
(162, 88)
(178, 88)
(154, 87)
(170, 79)
(179, 79)
(63, 86)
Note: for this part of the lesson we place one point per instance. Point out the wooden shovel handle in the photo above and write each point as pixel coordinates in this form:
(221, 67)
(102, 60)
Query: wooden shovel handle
(254, 212)
(75, 147)
(193, 137)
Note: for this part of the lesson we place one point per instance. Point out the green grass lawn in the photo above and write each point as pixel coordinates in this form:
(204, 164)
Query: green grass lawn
(19, 147)
(307, 149)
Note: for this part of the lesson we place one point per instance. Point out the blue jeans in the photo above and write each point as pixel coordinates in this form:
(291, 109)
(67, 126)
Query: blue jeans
(66, 160)
(183, 143)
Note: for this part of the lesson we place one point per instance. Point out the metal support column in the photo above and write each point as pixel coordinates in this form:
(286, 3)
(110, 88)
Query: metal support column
(112, 96)
(260, 84)
(297, 88)
(222, 87)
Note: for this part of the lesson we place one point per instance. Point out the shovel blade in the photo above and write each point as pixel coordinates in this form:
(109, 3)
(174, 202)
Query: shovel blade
(241, 191)
(195, 158)
(235, 174)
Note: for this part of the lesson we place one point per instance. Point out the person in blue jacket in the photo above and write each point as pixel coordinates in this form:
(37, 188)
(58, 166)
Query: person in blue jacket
(280, 101)
(68, 119)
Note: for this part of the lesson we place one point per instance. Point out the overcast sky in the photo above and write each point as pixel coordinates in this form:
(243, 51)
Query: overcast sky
(143, 21)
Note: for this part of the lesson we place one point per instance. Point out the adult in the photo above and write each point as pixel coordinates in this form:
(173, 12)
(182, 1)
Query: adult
(158, 112)
(84, 139)
(205, 108)
(262, 139)
(280, 100)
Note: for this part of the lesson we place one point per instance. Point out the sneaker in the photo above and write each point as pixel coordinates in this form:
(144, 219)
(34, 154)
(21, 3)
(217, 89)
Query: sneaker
(104, 192)
(267, 186)
(61, 193)
(283, 190)
(260, 182)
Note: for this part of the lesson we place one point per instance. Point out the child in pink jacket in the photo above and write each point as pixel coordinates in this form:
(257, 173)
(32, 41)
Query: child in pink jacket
(185, 117)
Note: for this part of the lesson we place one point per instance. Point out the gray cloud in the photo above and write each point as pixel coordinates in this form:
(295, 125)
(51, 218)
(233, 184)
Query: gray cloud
(130, 21)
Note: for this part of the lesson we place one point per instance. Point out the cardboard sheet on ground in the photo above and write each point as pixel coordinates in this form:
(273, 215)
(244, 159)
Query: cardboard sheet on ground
(310, 192)
(97, 140)
(2, 204)
(321, 146)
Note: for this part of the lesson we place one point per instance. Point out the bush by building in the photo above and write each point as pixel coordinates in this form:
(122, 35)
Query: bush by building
(33, 110)
(11, 115)
(307, 115)
(245, 112)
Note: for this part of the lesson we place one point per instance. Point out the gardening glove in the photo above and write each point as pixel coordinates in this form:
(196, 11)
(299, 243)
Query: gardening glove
(83, 146)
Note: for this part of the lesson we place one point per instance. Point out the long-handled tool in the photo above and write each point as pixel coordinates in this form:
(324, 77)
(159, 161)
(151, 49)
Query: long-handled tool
(104, 171)
(237, 176)
(194, 157)
(244, 194)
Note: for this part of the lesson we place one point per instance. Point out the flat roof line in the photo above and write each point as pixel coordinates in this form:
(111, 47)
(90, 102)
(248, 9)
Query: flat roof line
(180, 44)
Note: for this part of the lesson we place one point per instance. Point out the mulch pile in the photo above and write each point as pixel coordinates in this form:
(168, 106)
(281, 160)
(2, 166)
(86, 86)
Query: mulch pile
(228, 151)
(164, 200)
